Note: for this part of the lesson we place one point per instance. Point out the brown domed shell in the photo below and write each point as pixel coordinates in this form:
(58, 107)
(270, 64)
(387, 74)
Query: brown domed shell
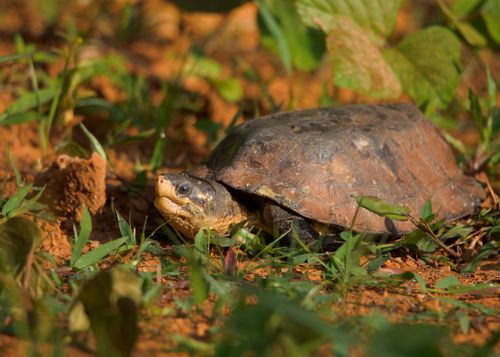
(315, 161)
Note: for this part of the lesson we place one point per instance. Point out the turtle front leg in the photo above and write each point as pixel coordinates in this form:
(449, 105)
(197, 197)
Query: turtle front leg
(286, 224)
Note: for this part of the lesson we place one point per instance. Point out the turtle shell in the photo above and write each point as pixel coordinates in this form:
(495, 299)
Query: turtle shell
(315, 162)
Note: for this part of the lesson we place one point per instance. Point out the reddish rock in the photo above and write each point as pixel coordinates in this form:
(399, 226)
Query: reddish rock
(72, 182)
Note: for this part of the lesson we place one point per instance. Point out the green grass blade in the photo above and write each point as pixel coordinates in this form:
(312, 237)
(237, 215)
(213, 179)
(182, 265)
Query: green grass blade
(96, 255)
(96, 145)
(125, 229)
(15, 200)
(277, 33)
(28, 205)
(19, 118)
(83, 236)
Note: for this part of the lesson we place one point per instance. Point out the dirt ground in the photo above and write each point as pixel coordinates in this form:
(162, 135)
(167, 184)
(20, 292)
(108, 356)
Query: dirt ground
(157, 55)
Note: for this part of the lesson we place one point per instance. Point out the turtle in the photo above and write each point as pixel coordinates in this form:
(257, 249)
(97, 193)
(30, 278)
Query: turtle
(305, 168)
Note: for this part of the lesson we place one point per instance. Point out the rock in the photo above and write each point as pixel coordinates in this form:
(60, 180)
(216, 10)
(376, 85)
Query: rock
(72, 182)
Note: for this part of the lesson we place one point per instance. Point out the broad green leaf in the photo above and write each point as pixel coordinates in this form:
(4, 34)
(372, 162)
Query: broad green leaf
(462, 8)
(490, 12)
(470, 34)
(459, 231)
(306, 45)
(96, 145)
(375, 18)
(18, 238)
(426, 244)
(356, 31)
(16, 199)
(94, 256)
(109, 304)
(384, 209)
(358, 63)
(429, 79)
(83, 236)
(448, 282)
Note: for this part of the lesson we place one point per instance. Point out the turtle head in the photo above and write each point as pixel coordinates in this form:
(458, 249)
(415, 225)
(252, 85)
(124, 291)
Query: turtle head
(190, 204)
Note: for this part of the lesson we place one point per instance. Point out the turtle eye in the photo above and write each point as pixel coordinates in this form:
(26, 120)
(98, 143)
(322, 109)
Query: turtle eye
(184, 188)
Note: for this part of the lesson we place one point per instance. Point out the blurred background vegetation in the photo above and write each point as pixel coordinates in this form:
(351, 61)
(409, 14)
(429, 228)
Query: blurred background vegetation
(155, 84)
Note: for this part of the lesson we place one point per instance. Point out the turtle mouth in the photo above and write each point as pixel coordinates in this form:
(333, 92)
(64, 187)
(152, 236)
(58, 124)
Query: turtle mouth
(171, 206)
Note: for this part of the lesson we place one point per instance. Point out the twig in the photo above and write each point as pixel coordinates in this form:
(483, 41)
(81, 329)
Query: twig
(418, 222)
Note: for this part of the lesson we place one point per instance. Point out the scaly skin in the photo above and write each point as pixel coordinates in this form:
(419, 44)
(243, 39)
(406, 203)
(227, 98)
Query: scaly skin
(189, 204)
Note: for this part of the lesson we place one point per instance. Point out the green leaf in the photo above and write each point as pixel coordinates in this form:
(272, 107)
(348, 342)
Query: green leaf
(200, 242)
(448, 282)
(429, 80)
(83, 236)
(96, 145)
(199, 283)
(375, 18)
(277, 33)
(15, 57)
(201, 66)
(31, 100)
(19, 118)
(462, 8)
(470, 34)
(358, 64)
(95, 255)
(382, 208)
(229, 89)
(27, 205)
(492, 90)
(209, 127)
(411, 341)
(125, 229)
(356, 31)
(490, 11)
(18, 238)
(15, 200)
(463, 321)
(109, 304)
(427, 210)
(408, 275)
(490, 248)
(459, 231)
(158, 152)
